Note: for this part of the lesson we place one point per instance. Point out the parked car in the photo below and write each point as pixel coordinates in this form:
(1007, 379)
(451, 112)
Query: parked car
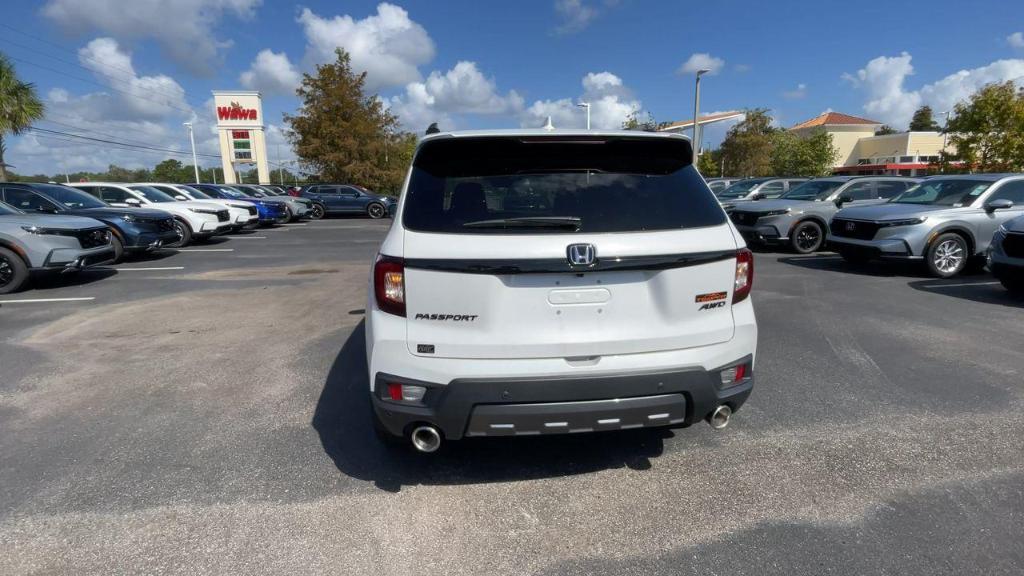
(134, 230)
(588, 312)
(270, 211)
(947, 221)
(192, 220)
(243, 214)
(718, 184)
(1006, 255)
(346, 199)
(799, 218)
(37, 242)
(755, 188)
(297, 207)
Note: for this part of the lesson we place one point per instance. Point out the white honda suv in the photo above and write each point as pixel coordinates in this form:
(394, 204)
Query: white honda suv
(553, 281)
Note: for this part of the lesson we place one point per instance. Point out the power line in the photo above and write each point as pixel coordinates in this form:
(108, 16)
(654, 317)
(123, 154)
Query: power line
(139, 146)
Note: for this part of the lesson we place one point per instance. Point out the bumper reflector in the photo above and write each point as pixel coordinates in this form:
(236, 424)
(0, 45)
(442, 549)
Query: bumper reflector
(406, 392)
(734, 375)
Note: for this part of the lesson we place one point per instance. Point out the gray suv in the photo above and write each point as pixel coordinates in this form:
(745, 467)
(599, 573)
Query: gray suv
(35, 242)
(1006, 255)
(948, 221)
(755, 188)
(799, 218)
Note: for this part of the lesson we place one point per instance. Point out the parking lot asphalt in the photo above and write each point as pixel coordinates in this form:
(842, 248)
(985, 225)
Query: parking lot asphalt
(205, 412)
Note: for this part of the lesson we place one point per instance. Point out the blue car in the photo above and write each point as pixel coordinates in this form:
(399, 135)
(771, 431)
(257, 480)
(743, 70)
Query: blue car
(133, 230)
(347, 199)
(270, 211)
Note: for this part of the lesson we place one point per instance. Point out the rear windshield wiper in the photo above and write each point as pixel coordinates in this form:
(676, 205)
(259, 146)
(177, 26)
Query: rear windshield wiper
(563, 222)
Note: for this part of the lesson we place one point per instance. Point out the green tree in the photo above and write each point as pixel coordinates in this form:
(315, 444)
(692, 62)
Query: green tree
(794, 155)
(19, 107)
(341, 132)
(635, 122)
(923, 121)
(709, 164)
(988, 130)
(747, 146)
(885, 130)
(172, 170)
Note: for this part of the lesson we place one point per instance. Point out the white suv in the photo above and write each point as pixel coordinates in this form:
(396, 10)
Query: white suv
(552, 281)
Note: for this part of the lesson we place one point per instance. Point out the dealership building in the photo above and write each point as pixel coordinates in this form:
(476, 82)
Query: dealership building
(863, 153)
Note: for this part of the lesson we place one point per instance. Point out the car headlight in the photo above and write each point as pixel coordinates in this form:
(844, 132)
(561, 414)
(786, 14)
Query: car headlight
(203, 211)
(128, 218)
(777, 212)
(907, 222)
(1002, 230)
(41, 231)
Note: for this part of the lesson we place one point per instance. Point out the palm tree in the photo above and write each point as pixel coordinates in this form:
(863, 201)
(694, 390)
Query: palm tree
(19, 107)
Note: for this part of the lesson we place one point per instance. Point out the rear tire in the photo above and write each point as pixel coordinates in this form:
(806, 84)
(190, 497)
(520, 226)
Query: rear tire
(13, 272)
(376, 210)
(946, 255)
(807, 237)
(316, 211)
(184, 232)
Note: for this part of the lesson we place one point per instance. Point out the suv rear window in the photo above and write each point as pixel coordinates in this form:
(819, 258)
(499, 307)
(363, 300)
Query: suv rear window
(553, 185)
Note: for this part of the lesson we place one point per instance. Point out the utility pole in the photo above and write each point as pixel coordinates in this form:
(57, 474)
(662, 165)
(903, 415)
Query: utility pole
(280, 167)
(214, 174)
(696, 114)
(587, 106)
(192, 139)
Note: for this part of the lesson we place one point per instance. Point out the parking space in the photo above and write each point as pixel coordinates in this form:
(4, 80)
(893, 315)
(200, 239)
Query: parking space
(205, 411)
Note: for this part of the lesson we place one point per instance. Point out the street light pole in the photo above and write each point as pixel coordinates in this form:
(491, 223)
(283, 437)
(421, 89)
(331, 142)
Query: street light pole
(696, 112)
(192, 139)
(587, 106)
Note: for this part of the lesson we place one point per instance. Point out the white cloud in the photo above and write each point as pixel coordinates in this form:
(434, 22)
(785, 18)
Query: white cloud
(1016, 40)
(184, 29)
(611, 102)
(461, 90)
(701, 61)
(796, 94)
(271, 73)
(575, 15)
(143, 97)
(888, 100)
(388, 45)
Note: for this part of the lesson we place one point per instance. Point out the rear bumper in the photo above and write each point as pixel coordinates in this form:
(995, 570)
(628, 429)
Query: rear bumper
(560, 405)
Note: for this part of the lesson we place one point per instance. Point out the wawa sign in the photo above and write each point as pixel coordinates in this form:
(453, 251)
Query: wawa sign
(235, 112)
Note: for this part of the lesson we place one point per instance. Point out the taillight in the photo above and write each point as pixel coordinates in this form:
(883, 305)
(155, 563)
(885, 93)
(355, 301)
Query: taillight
(744, 275)
(389, 284)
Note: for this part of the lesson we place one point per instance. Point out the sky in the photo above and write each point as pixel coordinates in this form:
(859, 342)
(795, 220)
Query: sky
(133, 72)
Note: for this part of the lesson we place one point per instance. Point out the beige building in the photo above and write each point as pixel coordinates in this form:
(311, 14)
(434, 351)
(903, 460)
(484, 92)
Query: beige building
(863, 153)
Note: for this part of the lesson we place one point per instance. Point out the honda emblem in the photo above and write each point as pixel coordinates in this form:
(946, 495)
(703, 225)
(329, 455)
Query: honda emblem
(850, 226)
(581, 254)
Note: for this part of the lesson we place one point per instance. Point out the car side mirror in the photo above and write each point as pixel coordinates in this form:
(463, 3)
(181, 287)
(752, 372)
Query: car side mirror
(46, 209)
(843, 199)
(134, 202)
(1000, 204)
(180, 197)
(758, 196)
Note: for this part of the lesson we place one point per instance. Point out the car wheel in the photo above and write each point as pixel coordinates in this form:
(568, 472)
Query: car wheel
(316, 211)
(184, 233)
(13, 272)
(947, 255)
(376, 210)
(118, 247)
(853, 256)
(807, 237)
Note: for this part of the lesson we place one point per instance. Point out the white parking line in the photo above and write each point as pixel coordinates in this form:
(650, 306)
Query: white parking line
(814, 257)
(958, 285)
(42, 300)
(248, 237)
(206, 249)
(296, 224)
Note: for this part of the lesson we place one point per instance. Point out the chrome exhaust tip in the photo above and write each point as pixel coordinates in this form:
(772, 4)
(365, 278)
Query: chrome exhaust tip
(720, 417)
(425, 439)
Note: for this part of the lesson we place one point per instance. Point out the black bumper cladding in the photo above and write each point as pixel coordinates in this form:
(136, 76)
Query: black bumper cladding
(527, 407)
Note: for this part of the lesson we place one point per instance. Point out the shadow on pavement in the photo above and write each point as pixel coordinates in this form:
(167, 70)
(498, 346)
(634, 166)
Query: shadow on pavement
(829, 262)
(984, 289)
(342, 421)
(52, 280)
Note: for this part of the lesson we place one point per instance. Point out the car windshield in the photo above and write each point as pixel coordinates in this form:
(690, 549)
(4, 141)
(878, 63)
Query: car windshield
(7, 210)
(813, 190)
(740, 189)
(152, 194)
(231, 192)
(504, 185)
(69, 197)
(269, 191)
(948, 192)
(193, 193)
